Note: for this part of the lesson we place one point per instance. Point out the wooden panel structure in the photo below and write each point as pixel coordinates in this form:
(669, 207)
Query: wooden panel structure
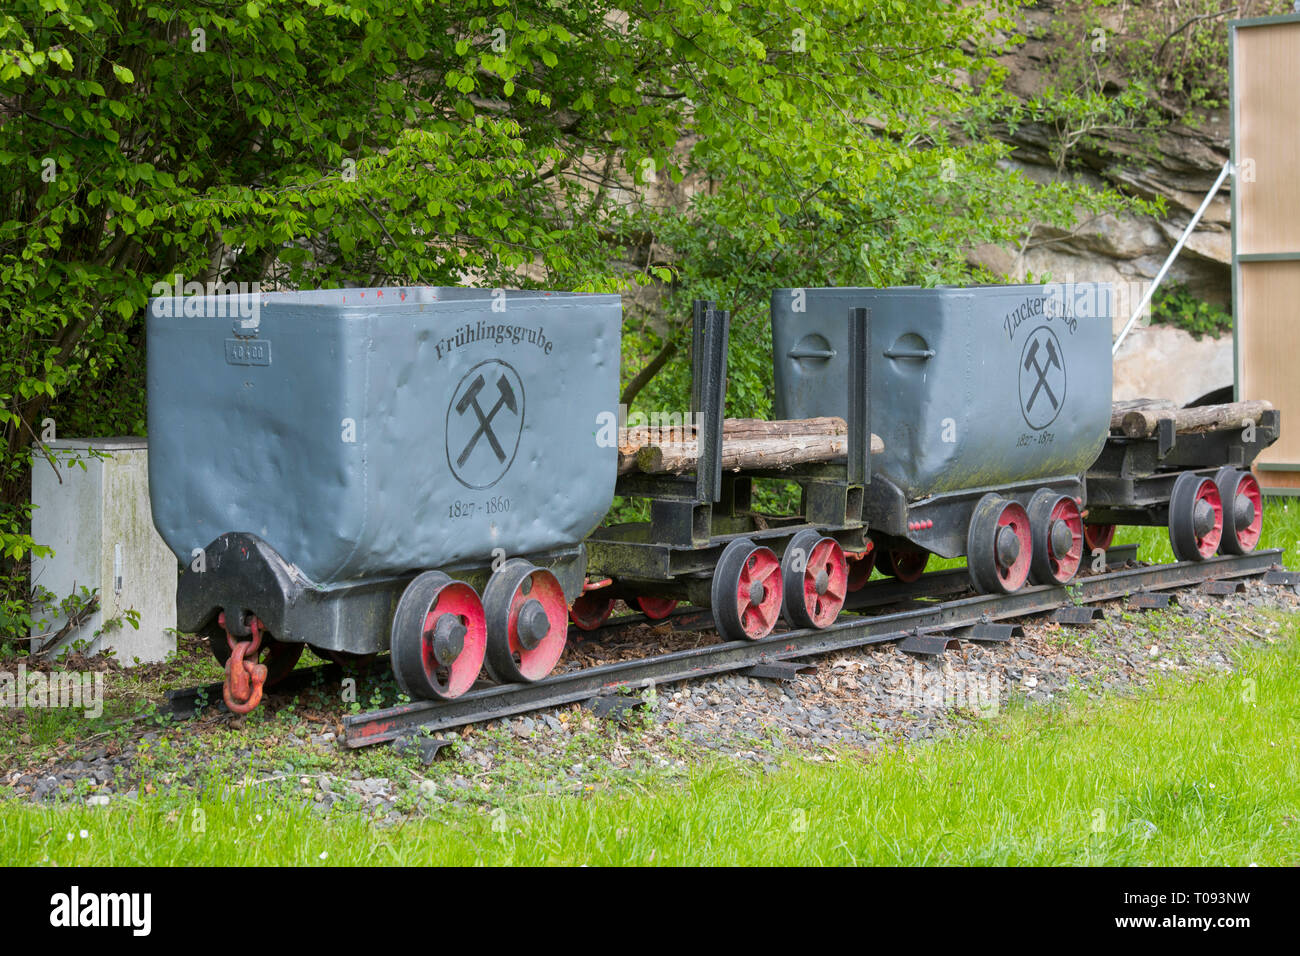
(1285, 482)
(1268, 352)
(1265, 75)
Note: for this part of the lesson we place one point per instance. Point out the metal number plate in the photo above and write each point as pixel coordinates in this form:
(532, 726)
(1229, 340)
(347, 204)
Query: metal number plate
(248, 352)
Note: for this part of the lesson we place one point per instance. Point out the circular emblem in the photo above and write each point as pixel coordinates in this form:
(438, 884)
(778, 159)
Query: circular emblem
(484, 422)
(1042, 378)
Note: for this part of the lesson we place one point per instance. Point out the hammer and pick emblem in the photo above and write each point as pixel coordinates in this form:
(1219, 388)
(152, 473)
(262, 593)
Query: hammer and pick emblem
(1042, 378)
(484, 422)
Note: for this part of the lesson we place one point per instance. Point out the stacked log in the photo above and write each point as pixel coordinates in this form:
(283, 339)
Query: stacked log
(747, 444)
(1119, 409)
(1141, 420)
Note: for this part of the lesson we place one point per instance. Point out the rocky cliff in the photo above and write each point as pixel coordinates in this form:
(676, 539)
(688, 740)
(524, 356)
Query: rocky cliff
(1177, 161)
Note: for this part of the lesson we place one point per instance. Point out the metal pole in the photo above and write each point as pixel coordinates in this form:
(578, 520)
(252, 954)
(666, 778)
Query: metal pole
(1205, 203)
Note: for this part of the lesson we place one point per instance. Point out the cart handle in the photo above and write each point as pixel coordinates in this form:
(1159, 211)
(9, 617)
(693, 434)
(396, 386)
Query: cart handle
(799, 353)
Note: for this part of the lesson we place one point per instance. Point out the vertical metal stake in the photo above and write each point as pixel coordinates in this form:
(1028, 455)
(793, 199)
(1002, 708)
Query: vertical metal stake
(859, 421)
(711, 333)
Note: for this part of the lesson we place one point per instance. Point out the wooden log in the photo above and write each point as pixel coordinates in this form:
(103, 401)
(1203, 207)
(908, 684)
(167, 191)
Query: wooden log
(631, 439)
(1142, 423)
(791, 428)
(1119, 409)
(676, 458)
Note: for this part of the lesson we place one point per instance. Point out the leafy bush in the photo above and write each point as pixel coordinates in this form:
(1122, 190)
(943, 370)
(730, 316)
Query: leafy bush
(718, 148)
(1174, 305)
(1174, 53)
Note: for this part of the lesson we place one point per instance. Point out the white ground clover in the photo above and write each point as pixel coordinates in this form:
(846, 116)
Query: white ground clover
(324, 854)
(84, 834)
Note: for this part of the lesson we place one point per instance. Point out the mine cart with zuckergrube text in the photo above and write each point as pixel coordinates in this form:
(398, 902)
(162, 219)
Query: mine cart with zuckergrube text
(992, 401)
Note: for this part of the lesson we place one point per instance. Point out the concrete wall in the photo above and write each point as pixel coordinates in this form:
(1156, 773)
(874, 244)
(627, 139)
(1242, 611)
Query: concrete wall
(97, 519)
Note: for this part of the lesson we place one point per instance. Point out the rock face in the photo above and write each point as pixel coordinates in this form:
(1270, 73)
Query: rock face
(1169, 363)
(1128, 250)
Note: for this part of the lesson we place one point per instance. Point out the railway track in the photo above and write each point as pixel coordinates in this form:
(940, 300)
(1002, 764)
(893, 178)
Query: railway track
(922, 617)
(927, 625)
(186, 702)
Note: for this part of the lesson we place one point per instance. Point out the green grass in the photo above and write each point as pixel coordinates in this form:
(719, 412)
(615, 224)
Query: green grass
(1204, 772)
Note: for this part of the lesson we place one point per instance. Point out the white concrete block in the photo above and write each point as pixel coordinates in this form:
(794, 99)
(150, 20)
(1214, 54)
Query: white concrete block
(98, 521)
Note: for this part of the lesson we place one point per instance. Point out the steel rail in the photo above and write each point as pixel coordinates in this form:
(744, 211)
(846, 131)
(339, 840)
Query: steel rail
(882, 592)
(478, 706)
(186, 702)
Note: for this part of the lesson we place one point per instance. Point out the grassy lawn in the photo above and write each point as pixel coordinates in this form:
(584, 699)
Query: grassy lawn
(1187, 773)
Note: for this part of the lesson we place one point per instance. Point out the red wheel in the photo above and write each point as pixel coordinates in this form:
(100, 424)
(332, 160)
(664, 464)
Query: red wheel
(1243, 510)
(1098, 536)
(999, 545)
(1057, 529)
(526, 622)
(1195, 518)
(906, 565)
(438, 638)
(860, 568)
(590, 610)
(655, 608)
(815, 577)
(746, 591)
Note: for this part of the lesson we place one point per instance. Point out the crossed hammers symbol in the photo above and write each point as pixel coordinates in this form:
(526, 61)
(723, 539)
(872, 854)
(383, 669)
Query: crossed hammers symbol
(470, 398)
(1031, 361)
